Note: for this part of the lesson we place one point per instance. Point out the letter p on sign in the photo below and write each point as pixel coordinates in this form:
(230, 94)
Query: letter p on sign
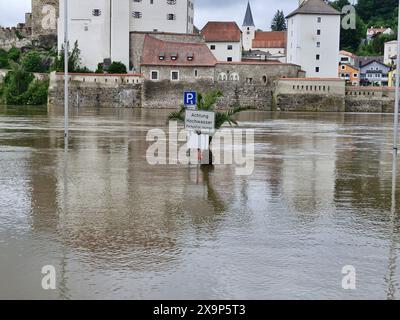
(190, 98)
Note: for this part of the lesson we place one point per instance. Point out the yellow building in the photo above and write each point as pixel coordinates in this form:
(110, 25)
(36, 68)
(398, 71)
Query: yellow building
(392, 78)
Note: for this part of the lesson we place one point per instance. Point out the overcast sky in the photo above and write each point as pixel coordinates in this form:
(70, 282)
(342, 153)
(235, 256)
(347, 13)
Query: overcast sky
(12, 11)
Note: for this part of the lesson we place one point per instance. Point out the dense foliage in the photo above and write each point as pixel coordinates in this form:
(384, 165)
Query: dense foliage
(21, 88)
(6, 57)
(74, 60)
(117, 67)
(33, 61)
(378, 13)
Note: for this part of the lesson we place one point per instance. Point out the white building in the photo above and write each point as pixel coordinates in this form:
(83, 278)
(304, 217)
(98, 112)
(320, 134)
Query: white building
(224, 40)
(373, 32)
(102, 27)
(313, 38)
(347, 57)
(390, 53)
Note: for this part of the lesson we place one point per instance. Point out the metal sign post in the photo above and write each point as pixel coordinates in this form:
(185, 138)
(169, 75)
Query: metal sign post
(66, 50)
(396, 105)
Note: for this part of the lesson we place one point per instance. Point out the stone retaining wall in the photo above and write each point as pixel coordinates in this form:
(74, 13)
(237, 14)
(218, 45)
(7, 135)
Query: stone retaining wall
(359, 104)
(119, 91)
(310, 103)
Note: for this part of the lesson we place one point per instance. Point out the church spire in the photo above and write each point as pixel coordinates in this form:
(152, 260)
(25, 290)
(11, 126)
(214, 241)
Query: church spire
(248, 18)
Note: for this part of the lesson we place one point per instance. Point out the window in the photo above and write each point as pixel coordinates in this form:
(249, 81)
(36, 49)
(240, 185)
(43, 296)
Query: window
(316, 69)
(174, 75)
(355, 75)
(171, 16)
(136, 14)
(264, 79)
(96, 12)
(319, 19)
(212, 47)
(317, 57)
(343, 67)
(234, 77)
(229, 59)
(196, 73)
(161, 56)
(318, 44)
(318, 32)
(154, 75)
(222, 76)
(230, 47)
(171, 2)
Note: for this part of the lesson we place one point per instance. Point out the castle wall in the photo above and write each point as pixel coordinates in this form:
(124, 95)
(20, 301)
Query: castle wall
(88, 90)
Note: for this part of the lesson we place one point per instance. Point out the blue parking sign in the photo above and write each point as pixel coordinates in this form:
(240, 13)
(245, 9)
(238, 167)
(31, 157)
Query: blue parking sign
(190, 98)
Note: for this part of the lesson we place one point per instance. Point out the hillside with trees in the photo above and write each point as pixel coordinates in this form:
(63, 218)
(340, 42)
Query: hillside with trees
(377, 13)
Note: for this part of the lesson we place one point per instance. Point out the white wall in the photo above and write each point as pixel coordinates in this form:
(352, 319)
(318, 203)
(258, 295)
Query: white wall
(154, 16)
(94, 42)
(222, 53)
(99, 37)
(120, 31)
(302, 44)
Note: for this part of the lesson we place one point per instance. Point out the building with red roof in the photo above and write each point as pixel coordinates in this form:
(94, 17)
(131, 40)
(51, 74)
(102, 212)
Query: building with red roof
(224, 40)
(176, 61)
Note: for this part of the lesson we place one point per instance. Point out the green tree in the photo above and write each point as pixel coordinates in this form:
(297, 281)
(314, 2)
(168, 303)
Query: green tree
(37, 93)
(100, 68)
(74, 60)
(117, 67)
(278, 22)
(33, 62)
(14, 54)
(376, 46)
(16, 83)
(21, 88)
(207, 102)
(350, 39)
(372, 11)
(3, 59)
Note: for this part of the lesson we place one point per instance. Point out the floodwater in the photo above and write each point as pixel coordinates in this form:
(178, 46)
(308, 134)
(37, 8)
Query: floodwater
(114, 227)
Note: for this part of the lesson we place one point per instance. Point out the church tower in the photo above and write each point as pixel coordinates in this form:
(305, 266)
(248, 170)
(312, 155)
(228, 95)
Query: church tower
(248, 29)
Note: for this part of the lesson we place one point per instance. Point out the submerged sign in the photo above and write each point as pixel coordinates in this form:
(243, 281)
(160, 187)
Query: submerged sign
(199, 120)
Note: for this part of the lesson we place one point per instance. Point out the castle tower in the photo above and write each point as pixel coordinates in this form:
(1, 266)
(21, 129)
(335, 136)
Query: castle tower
(44, 17)
(248, 29)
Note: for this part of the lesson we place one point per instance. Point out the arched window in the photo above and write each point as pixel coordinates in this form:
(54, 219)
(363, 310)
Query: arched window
(222, 77)
(264, 79)
(234, 77)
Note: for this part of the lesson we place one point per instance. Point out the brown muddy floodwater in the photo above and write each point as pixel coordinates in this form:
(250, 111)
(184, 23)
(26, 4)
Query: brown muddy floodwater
(114, 227)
